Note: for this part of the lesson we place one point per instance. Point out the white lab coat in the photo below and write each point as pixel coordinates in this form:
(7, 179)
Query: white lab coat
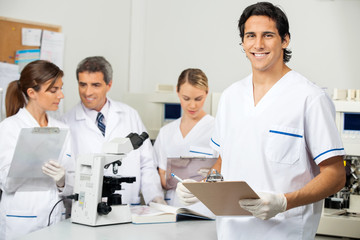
(275, 147)
(121, 121)
(22, 208)
(171, 143)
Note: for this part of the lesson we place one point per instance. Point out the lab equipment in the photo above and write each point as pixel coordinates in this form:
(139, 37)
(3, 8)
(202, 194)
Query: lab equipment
(172, 111)
(340, 215)
(348, 124)
(176, 177)
(214, 176)
(98, 203)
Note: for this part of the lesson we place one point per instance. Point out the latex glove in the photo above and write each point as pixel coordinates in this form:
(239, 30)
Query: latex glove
(266, 207)
(55, 171)
(184, 195)
(159, 199)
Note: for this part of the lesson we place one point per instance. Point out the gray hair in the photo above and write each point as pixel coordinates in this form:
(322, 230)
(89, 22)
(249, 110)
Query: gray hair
(95, 64)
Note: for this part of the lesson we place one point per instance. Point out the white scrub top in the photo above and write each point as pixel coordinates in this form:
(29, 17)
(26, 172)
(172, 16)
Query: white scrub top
(171, 143)
(121, 120)
(23, 209)
(275, 147)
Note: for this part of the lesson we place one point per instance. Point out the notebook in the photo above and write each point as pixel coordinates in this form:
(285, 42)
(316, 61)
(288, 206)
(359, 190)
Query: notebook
(159, 213)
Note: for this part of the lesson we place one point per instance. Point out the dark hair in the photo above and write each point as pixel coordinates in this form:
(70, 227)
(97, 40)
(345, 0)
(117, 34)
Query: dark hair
(95, 64)
(34, 75)
(273, 12)
(195, 77)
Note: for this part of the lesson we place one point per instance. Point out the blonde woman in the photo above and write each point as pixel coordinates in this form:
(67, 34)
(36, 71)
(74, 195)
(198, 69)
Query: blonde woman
(190, 134)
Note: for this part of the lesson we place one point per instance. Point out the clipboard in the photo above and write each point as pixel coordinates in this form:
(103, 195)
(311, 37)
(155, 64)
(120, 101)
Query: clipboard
(34, 147)
(196, 168)
(222, 198)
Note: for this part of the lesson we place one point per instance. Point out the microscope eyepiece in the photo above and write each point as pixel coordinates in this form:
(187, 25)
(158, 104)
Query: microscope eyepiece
(137, 140)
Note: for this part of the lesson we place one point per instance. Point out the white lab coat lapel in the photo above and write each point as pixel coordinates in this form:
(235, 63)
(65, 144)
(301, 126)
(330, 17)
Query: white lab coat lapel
(113, 119)
(81, 116)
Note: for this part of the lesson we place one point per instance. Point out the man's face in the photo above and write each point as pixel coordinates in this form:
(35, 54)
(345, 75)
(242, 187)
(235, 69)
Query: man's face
(262, 43)
(93, 90)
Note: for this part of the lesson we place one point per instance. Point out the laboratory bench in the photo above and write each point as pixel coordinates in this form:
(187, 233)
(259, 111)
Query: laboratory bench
(183, 230)
(196, 229)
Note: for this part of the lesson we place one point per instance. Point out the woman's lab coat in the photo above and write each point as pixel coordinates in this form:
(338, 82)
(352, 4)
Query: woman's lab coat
(171, 143)
(121, 121)
(25, 206)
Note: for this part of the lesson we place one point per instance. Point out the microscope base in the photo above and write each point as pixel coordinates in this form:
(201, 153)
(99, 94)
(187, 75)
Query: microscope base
(119, 214)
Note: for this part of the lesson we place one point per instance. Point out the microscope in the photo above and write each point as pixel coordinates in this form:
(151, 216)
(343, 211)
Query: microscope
(96, 201)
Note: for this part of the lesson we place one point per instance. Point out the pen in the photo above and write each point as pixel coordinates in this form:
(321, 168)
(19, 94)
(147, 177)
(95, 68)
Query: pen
(176, 177)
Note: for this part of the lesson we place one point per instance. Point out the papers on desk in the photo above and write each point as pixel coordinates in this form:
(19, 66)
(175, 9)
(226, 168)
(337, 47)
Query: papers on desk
(34, 147)
(159, 213)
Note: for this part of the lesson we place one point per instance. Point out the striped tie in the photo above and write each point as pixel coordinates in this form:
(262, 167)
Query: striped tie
(101, 125)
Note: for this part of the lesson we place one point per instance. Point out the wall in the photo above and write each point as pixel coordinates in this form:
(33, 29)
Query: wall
(152, 41)
(203, 33)
(90, 28)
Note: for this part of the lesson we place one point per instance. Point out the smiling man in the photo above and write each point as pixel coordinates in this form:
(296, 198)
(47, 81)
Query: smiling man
(98, 119)
(276, 130)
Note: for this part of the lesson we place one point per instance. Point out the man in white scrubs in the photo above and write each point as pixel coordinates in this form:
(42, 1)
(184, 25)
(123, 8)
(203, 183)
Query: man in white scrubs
(89, 131)
(276, 130)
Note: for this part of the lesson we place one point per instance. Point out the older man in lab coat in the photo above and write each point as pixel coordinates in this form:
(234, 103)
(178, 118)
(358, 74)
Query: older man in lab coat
(98, 119)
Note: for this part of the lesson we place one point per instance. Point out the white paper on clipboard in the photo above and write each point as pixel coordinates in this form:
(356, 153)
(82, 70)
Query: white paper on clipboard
(34, 147)
(195, 168)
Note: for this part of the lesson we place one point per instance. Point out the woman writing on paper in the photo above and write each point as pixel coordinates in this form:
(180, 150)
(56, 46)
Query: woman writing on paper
(190, 134)
(26, 204)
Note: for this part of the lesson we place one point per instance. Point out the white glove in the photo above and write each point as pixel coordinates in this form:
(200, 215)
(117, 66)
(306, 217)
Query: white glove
(184, 195)
(159, 199)
(266, 207)
(56, 171)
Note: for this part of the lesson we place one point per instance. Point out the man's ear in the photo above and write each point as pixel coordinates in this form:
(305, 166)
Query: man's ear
(285, 43)
(109, 86)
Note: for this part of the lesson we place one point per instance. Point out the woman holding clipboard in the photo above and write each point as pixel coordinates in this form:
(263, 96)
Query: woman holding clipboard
(24, 208)
(189, 135)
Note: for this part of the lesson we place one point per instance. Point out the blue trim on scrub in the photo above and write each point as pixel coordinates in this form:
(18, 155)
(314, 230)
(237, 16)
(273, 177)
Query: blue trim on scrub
(201, 153)
(215, 143)
(285, 133)
(68, 155)
(21, 216)
(335, 149)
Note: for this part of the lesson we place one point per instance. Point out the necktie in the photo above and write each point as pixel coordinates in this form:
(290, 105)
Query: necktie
(100, 124)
